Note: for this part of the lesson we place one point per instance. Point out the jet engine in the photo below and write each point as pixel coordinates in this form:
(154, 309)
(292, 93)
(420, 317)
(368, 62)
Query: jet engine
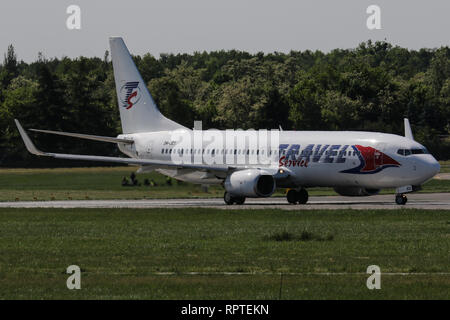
(251, 183)
(356, 191)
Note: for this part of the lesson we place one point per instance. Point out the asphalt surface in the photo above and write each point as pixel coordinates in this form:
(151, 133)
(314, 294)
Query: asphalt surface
(415, 200)
(442, 176)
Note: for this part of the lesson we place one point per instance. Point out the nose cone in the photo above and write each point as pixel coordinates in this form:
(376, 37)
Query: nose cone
(430, 168)
(436, 167)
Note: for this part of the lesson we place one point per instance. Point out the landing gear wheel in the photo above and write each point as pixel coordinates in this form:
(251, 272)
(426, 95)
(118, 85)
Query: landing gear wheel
(302, 196)
(401, 199)
(228, 198)
(291, 196)
(240, 200)
(297, 196)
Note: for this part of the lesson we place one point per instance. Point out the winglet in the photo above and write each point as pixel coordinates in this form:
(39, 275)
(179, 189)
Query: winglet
(408, 132)
(28, 143)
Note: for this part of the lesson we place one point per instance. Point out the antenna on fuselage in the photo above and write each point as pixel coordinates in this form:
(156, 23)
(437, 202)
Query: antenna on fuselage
(408, 132)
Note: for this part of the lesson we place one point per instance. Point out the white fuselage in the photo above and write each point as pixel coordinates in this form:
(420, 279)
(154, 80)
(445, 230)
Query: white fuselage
(312, 158)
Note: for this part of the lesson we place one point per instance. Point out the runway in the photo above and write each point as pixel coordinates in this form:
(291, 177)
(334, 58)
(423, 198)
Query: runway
(415, 201)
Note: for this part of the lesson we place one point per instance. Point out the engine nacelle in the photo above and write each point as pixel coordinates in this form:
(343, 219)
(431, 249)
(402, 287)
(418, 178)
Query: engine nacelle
(356, 191)
(251, 183)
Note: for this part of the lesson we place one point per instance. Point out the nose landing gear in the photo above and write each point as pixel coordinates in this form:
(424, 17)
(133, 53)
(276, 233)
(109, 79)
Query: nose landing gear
(297, 196)
(400, 199)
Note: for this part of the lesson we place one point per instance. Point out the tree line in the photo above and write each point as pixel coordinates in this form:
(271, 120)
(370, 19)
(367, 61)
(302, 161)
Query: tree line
(371, 87)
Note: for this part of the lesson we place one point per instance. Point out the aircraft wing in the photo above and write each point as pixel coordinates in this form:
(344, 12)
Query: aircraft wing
(160, 164)
(86, 136)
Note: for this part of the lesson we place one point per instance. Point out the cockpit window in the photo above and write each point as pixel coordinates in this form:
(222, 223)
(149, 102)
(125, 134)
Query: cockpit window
(407, 152)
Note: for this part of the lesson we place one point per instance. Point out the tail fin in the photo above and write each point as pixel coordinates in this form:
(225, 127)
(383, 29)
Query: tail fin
(138, 111)
(408, 131)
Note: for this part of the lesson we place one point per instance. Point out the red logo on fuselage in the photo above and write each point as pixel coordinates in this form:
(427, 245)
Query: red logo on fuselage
(372, 160)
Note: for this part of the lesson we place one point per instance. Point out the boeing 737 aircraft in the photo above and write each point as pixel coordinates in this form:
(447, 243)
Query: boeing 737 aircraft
(353, 163)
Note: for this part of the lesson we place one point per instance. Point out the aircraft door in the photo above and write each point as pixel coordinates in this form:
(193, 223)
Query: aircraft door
(149, 149)
(378, 159)
(378, 154)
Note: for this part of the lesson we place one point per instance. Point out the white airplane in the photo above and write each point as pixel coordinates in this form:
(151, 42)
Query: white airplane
(353, 163)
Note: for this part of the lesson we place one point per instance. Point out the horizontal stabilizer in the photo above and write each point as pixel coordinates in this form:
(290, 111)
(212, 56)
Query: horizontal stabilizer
(85, 136)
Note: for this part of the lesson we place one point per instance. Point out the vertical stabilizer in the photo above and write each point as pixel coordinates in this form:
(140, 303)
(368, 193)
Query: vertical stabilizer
(408, 132)
(138, 111)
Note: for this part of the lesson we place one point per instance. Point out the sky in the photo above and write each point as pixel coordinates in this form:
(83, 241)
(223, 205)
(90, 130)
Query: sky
(185, 26)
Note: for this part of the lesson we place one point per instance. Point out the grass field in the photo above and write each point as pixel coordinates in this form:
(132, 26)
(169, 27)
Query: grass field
(183, 253)
(105, 183)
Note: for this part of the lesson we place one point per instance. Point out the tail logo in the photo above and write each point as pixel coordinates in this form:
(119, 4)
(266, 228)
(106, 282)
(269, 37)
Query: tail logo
(372, 161)
(130, 93)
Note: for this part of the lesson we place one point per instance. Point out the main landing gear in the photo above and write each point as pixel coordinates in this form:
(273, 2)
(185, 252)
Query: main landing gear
(297, 196)
(400, 199)
(229, 199)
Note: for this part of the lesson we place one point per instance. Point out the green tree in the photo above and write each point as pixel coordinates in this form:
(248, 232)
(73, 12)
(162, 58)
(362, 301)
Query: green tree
(305, 107)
